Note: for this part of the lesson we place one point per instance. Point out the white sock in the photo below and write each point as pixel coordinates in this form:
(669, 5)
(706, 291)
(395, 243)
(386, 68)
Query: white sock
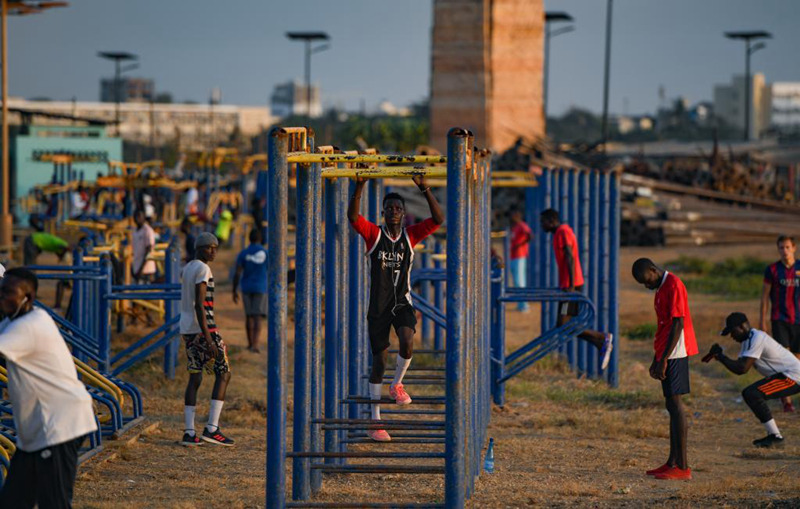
(772, 428)
(375, 393)
(188, 419)
(400, 370)
(213, 414)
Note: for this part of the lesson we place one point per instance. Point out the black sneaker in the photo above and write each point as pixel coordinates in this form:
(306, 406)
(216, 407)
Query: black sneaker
(190, 440)
(216, 437)
(769, 441)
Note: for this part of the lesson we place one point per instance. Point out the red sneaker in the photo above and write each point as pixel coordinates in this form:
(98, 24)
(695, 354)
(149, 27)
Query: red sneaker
(399, 394)
(379, 435)
(662, 468)
(675, 474)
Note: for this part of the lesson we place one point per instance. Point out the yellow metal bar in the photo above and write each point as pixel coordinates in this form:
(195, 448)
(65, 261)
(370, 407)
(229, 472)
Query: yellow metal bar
(514, 183)
(499, 235)
(385, 171)
(302, 157)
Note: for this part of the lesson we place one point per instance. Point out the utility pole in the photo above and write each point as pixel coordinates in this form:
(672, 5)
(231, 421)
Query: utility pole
(748, 37)
(308, 38)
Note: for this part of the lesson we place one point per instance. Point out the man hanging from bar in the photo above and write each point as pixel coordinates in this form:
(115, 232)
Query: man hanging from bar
(390, 251)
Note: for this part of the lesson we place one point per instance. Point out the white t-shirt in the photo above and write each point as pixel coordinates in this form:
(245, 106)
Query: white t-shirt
(191, 200)
(2, 271)
(51, 406)
(143, 238)
(193, 273)
(771, 357)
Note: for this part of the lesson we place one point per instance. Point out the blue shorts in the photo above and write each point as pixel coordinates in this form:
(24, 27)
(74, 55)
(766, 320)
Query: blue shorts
(677, 381)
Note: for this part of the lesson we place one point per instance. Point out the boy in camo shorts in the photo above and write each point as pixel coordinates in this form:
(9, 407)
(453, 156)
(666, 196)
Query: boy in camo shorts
(205, 349)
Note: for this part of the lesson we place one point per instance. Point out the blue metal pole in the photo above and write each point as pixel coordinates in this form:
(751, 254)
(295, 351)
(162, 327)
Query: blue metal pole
(438, 300)
(357, 316)
(457, 232)
(612, 373)
(582, 231)
(170, 270)
(343, 232)
(533, 207)
(332, 283)
(593, 281)
(278, 319)
(605, 255)
(572, 206)
(301, 467)
(425, 292)
(104, 311)
(316, 349)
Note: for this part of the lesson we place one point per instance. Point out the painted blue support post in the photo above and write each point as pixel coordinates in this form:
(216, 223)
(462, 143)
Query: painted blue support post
(357, 316)
(343, 232)
(533, 207)
(304, 327)
(593, 281)
(603, 247)
(278, 319)
(612, 373)
(171, 266)
(316, 349)
(550, 274)
(572, 211)
(332, 283)
(425, 292)
(104, 313)
(455, 416)
(438, 299)
(79, 299)
(582, 231)
(498, 360)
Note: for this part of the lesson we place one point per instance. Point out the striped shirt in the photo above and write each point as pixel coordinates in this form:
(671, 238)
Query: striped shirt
(785, 291)
(194, 273)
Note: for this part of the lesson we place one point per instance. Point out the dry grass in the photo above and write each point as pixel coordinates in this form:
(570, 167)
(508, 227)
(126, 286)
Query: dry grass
(560, 441)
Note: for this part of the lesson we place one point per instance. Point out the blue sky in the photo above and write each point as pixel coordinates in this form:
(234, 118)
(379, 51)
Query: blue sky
(380, 48)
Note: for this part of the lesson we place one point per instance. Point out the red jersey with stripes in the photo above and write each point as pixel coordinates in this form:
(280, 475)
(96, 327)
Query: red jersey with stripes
(672, 301)
(785, 291)
(562, 237)
(390, 263)
(194, 273)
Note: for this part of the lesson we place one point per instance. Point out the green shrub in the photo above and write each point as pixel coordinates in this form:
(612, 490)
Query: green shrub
(641, 332)
(689, 265)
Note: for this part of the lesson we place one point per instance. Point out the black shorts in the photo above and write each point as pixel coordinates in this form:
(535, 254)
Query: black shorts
(379, 326)
(45, 477)
(569, 308)
(787, 334)
(677, 381)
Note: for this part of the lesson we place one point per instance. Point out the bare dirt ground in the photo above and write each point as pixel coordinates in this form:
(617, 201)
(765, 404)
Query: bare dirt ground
(560, 441)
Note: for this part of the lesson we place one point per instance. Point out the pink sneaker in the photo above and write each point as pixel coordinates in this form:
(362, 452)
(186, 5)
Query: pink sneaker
(379, 435)
(399, 394)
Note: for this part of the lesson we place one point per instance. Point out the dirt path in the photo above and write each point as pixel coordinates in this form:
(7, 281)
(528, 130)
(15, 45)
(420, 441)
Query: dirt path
(560, 441)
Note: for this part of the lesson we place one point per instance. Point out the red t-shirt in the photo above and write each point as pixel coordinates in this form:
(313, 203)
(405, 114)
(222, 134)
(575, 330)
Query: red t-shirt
(564, 236)
(671, 302)
(520, 240)
(416, 232)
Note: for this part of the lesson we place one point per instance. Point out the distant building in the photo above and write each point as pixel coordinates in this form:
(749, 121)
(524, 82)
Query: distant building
(389, 109)
(729, 101)
(292, 99)
(193, 126)
(627, 124)
(131, 90)
(783, 102)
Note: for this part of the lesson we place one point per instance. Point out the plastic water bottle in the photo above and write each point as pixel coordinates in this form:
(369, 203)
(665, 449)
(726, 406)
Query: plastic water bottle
(488, 463)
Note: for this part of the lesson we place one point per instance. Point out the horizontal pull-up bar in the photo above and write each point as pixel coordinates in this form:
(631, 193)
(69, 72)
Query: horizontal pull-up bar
(385, 171)
(303, 157)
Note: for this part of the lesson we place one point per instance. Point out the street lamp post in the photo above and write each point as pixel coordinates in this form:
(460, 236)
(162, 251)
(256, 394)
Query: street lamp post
(20, 8)
(552, 17)
(607, 73)
(308, 38)
(118, 57)
(748, 37)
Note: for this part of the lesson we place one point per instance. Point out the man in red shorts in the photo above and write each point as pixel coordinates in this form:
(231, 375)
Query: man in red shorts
(674, 343)
(390, 251)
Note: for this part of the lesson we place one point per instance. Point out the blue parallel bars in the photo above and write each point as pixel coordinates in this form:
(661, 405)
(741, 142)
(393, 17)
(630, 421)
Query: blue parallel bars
(588, 201)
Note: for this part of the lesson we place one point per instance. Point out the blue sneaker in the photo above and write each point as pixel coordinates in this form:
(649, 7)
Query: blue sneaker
(605, 352)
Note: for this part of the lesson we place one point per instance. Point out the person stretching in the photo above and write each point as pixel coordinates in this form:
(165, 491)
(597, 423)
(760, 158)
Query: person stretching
(390, 251)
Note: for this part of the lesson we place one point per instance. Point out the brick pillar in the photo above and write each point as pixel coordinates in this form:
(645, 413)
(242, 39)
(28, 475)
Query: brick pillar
(487, 63)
